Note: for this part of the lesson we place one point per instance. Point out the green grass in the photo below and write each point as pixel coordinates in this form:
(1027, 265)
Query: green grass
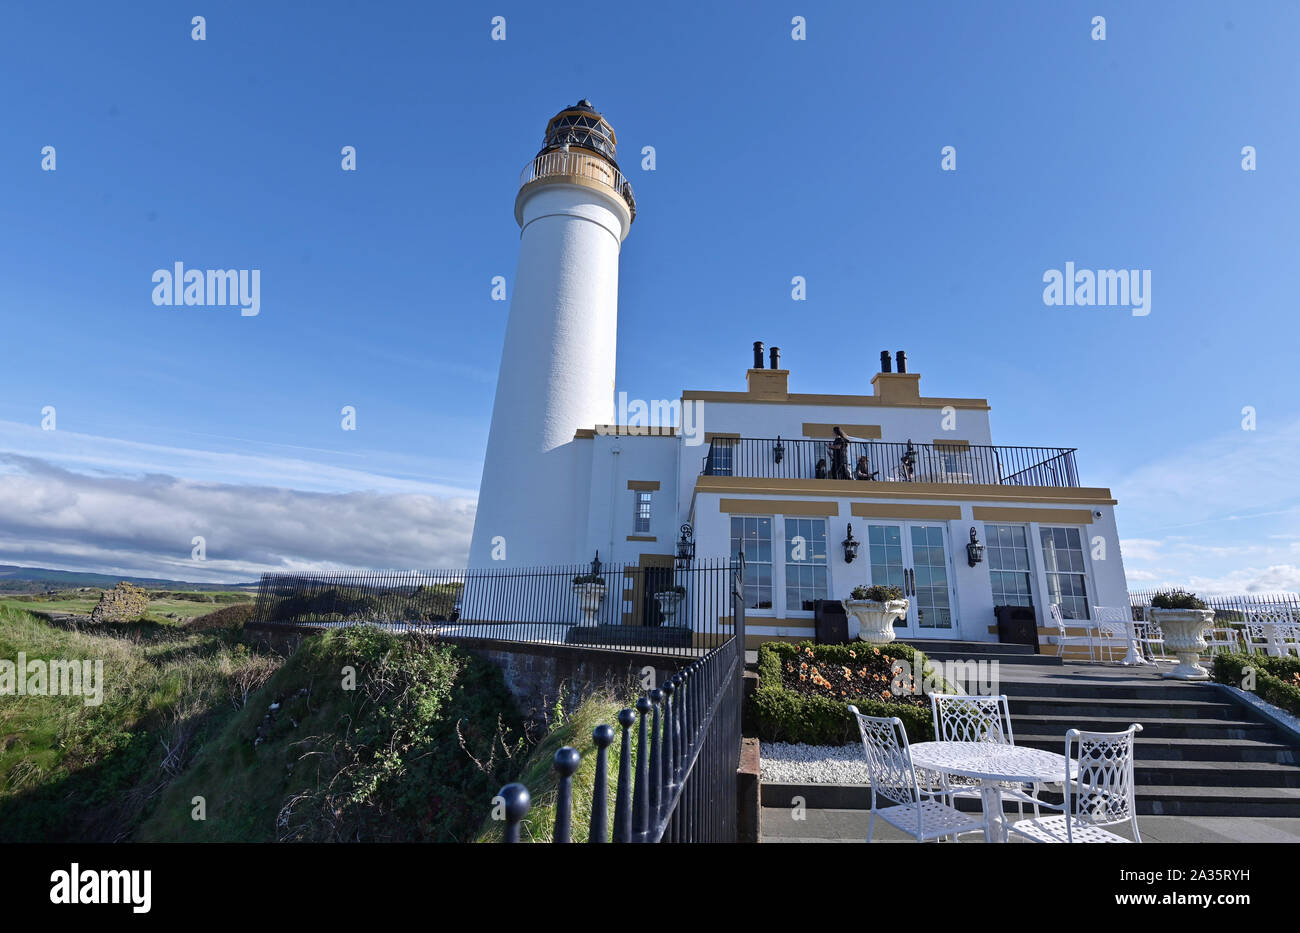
(185, 604)
(381, 762)
(539, 776)
(73, 772)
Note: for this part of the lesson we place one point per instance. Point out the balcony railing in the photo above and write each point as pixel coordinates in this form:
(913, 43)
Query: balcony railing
(579, 163)
(774, 458)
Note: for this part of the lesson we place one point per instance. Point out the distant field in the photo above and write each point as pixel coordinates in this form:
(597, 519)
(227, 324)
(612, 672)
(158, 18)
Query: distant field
(161, 604)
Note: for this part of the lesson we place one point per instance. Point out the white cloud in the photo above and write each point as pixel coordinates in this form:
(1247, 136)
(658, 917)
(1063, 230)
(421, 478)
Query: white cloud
(143, 524)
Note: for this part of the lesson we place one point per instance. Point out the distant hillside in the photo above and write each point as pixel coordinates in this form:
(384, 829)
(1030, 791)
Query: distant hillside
(37, 579)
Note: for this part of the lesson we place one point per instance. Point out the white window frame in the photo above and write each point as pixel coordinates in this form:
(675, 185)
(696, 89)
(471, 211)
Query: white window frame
(642, 497)
(800, 613)
(1031, 537)
(1089, 579)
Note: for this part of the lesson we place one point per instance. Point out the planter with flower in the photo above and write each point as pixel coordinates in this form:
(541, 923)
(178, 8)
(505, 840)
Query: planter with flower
(1183, 621)
(590, 589)
(669, 600)
(873, 610)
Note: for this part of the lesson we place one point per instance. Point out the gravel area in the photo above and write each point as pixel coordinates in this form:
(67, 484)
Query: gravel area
(782, 763)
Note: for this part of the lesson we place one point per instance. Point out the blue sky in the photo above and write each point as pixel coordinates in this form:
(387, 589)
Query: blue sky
(775, 158)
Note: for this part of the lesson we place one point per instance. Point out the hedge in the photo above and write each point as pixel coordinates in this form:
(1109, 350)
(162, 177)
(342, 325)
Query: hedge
(1277, 680)
(781, 715)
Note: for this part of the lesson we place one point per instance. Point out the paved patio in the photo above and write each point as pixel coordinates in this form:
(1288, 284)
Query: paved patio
(778, 825)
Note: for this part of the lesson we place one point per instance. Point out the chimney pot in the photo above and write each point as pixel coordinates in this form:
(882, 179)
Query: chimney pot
(758, 354)
(884, 361)
(775, 356)
(901, 356)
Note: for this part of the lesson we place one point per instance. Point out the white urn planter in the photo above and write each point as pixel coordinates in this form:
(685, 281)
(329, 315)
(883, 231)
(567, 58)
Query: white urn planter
(875, 620)
(589, 598)
(1184, 633)
(669, 601)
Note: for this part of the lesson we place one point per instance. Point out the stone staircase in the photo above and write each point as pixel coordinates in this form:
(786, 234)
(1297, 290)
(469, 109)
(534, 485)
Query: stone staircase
(1200, 751)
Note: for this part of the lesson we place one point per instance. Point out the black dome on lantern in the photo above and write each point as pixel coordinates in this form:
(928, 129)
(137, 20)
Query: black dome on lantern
(580, 126)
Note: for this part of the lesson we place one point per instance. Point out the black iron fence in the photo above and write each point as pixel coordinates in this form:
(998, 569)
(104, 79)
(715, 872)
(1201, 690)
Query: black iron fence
(667, 610)
(775, 458)
(683, 785)
(1237, 609)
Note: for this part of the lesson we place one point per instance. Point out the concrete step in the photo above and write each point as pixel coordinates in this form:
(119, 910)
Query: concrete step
(1209, 774)
(967, 648)
(1153, 727)
(1101, 690)
(1183, 749)
(1133, 709)
(1217, 801)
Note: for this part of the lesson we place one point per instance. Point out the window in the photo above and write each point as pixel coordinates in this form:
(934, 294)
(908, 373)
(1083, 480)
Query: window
(886, 546)
(805, 562)
(1007, 551)
(1063, 562)
(641, 517)
(753, 536)
(720, 458)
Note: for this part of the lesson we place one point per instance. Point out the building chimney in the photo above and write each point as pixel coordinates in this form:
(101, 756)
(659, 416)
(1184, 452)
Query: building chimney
(774, 355)
(884, 361)
(901, 356)
(758, 354)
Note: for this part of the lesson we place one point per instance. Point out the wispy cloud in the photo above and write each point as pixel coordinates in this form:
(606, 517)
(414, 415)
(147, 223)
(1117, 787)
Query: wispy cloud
(145, 523)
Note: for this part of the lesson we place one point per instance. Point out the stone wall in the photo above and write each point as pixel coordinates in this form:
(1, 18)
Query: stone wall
(123, 603)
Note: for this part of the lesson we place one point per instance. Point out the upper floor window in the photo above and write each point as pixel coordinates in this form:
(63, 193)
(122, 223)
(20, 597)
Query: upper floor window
(641, 517)
(720, 458)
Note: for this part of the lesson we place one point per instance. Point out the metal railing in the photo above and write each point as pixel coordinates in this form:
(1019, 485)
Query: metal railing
(683, 786)
(579, 163)
(662, 610)
(1234, 609)
(777, 458)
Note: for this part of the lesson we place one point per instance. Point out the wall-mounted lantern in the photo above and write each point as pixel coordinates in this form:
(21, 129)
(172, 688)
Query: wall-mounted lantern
(974, 550)
(850, 546)
(686, 547)
(779, 450)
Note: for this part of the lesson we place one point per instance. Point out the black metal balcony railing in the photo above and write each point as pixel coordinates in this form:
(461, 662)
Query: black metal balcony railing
(775, 458)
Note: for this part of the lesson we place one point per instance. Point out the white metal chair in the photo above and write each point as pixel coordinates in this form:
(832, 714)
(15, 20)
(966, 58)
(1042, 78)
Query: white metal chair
(1063, 639)
(1114, 627)
(1100, 795)
(978, 719)
(1223, 639)
(1271, 629)
(1150, 639)
(921, 814)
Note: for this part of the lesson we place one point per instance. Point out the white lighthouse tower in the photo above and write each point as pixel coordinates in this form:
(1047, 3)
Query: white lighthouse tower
(574, 210)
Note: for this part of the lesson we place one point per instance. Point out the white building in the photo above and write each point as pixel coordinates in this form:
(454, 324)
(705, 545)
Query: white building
(563, 480)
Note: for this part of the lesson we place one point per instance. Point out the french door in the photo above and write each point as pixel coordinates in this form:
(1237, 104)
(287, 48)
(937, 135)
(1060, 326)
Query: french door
(914, 556)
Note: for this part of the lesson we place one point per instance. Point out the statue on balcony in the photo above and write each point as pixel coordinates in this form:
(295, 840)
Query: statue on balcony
(839, 447)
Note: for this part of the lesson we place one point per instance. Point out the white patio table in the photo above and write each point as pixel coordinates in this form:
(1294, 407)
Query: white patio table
(992, 764)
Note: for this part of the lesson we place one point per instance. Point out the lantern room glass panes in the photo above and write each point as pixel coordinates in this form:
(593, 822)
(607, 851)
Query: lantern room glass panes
(1066, 571)
(805, 562)
(753, 535)
(1006, 548)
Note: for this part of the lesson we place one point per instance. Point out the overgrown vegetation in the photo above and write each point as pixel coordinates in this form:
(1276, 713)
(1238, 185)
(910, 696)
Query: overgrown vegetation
(76, 772)
(781, 713)
(1276, 680)
(363, 735)
(539, 776)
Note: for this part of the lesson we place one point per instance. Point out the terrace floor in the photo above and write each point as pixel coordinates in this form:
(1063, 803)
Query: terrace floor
(851, 826)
